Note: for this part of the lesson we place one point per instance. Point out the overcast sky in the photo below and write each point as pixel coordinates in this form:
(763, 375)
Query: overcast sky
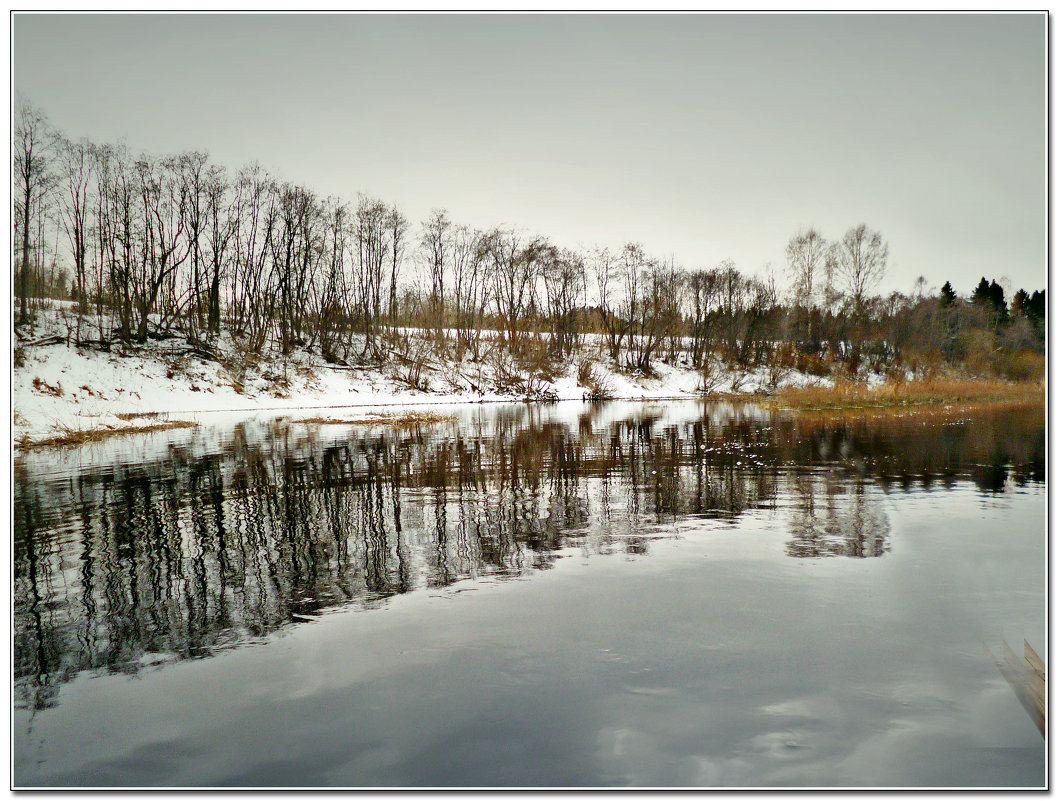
(703, 137)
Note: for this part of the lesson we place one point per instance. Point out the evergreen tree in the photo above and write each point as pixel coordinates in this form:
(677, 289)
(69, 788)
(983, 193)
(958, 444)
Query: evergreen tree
(980, 296)
(948, 295)
(1036, 307)
(1019, 302)
(1000, 307)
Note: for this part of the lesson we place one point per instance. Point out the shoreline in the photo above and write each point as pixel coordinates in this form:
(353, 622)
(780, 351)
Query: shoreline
(63, 394)
(852, 397)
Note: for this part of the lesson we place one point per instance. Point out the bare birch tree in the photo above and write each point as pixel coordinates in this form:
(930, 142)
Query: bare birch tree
(861, 263)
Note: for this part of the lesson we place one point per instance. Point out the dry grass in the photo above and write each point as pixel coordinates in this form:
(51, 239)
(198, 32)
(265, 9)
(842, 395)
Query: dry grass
(592, 376)
(403, 420)
(72, 437)
(915, 414)
(137, 415)
(852, 395)
(45, 388)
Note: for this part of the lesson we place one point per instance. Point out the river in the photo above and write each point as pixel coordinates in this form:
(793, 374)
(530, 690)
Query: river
(594, 595)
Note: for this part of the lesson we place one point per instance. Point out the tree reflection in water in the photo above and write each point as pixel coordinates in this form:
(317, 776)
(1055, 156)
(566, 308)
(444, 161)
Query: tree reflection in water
(122, 566)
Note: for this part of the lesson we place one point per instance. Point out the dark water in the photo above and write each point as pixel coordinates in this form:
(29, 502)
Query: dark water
(647, 595)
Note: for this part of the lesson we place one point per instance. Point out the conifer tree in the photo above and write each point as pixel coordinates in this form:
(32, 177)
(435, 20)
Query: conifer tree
(948, 295)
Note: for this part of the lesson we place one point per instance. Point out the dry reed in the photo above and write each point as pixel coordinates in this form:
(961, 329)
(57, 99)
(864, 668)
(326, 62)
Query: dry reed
(137, 415)
(72, 437)
(853, 395)
(908, 414)
(404, 420)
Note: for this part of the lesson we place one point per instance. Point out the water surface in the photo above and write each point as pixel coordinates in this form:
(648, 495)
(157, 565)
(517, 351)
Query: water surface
(611, 595)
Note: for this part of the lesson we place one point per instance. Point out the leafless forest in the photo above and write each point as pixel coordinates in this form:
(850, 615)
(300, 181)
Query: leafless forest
(149, 246)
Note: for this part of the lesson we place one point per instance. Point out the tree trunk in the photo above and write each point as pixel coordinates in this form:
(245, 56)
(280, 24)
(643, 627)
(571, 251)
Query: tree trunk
(23, 311)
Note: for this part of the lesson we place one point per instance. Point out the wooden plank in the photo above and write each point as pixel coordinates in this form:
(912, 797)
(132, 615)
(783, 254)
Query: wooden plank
(1027, 684)
(1032, 659)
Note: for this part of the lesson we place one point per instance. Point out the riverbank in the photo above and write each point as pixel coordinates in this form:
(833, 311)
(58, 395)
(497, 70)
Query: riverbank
(61, 392)
(66, 395)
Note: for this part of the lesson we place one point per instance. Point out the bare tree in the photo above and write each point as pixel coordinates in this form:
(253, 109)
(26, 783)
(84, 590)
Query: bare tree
(759, 301)
(605, 266)
(102, 226)
(75, 160)
(861, 263)
(297, 246)
(805, 256)
(221, 226)
(164, 246)
(703, 291)
(256, 199)
(469, 287)
(731, 295)
(565, 288)
(515, 272)
(372, 232)
(434, 243)
(398, 225)
(118, 225)
(656, 312)
(335, 300)
(194, 172)
(31, 173)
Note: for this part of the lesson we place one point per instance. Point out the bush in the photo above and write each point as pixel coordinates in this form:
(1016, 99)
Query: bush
(594, 379)
(784, 355)
(813, 364)
(534, 357)
(923, 364)
(412, 363)
(237, 363)
(979, 347)
(1022, 365)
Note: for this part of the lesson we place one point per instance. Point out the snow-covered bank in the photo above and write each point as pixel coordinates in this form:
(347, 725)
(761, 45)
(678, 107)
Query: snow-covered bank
(59, 388)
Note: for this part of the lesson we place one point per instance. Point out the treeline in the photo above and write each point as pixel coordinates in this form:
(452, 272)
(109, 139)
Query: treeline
(182, 246)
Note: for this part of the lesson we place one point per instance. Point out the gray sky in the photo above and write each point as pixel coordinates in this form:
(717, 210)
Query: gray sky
(703, 137)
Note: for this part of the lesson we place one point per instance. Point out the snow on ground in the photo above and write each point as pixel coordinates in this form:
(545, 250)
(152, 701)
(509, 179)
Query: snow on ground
(58, 388)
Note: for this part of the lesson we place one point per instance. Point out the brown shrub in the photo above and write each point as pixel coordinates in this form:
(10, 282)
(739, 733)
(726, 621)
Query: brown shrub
(813, 364)
(1023, 365)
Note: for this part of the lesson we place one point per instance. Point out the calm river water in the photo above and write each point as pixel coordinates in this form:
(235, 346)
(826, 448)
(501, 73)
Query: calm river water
(623, 594)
